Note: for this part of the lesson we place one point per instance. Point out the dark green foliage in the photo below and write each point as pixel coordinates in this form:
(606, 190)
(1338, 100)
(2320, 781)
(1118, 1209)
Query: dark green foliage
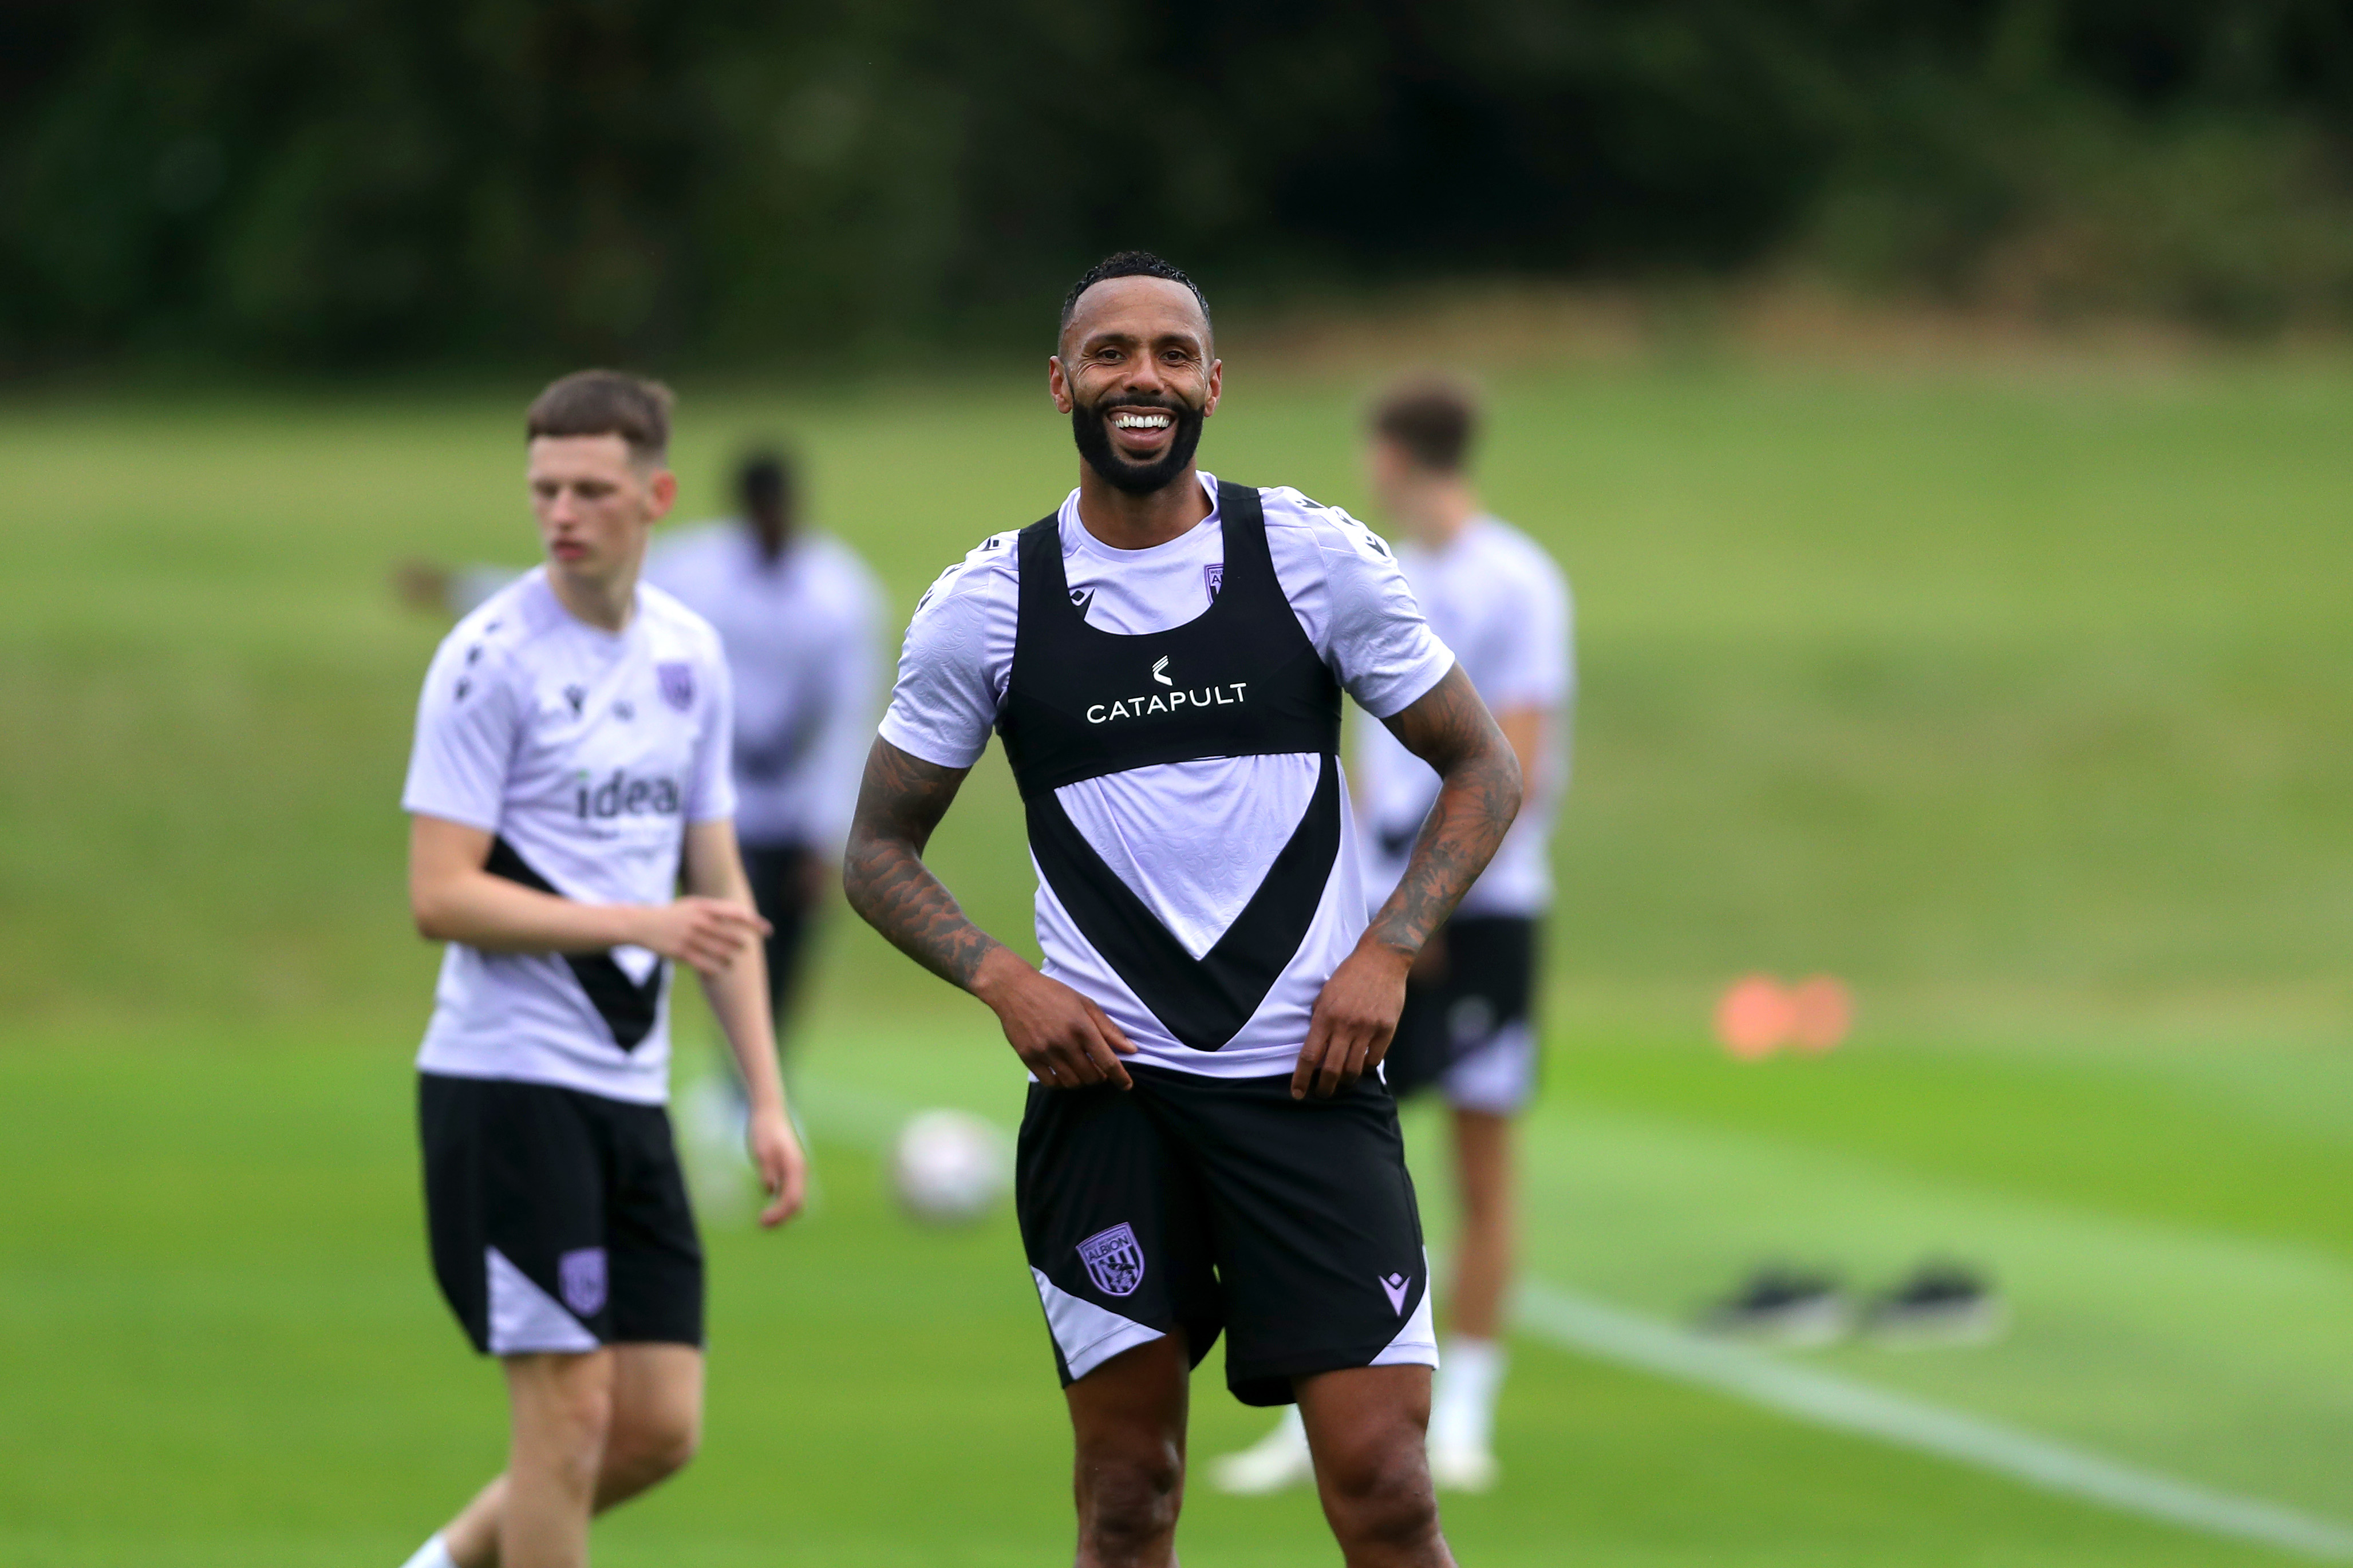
(299, 182)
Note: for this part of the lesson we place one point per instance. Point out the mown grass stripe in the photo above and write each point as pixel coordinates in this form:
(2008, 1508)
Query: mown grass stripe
(1581, 1323)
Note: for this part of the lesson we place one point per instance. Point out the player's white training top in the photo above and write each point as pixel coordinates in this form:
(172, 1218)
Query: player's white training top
(800, 633)
(1504, 607)
(1193, 840)
(586, 753)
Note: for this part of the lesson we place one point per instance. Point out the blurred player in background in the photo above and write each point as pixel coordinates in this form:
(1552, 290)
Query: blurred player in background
(798, 614)
(570, 770)
(1468, 1027)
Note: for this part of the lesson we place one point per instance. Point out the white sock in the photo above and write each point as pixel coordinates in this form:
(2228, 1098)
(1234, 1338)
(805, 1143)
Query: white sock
(434, 1553)
(1291, 1431)
(1462, 1406)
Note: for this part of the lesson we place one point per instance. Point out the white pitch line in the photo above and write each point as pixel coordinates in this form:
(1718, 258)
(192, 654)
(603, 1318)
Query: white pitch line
(1581, 1323)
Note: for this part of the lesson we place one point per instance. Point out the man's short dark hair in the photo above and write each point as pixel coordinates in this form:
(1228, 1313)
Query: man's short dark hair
(1128, 264)
(605, 402)
(764, 481)
(1435, 418)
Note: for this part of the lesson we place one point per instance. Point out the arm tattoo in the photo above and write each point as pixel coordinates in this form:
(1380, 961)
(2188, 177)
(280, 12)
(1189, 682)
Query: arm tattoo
(1479, 795)
(899, 803)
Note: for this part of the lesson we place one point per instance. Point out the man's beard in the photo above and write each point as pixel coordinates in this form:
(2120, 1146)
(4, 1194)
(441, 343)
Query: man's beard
(1091, 430)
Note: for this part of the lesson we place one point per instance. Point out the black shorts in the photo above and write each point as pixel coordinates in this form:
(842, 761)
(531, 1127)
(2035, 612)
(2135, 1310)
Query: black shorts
(558, 1219)
(1470, 1031)
(779, 878)
(1207, 1204)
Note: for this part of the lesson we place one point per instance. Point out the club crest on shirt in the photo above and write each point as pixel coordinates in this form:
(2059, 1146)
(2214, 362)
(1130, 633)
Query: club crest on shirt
(676, 679)
(580, 1277)
(1115, 1260)
(1214, 576)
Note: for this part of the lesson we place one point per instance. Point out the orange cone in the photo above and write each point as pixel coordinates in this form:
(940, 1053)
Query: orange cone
(1755, 1017)
(1822, 1012)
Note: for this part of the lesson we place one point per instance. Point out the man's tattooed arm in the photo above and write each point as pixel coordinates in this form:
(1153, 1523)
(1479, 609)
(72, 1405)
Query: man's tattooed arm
(899, 802)
(1450, 728)
(1063, 1037)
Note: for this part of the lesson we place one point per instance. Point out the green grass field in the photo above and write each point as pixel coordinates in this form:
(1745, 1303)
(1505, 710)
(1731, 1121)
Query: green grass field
(2021, 702)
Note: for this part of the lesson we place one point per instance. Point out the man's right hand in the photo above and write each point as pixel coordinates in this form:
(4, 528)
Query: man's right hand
(1064, 1038)
(706, 933)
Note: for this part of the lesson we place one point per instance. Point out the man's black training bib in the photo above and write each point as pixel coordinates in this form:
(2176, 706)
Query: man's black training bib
(1240, 679)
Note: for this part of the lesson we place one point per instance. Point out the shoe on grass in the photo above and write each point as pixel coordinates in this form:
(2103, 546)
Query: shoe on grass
(1455, 1469)
(1276, 1461)
(1784, 1306)
(1940, 1303)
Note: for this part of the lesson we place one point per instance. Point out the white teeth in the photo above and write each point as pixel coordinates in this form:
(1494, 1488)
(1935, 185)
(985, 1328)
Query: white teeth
(1140, 421)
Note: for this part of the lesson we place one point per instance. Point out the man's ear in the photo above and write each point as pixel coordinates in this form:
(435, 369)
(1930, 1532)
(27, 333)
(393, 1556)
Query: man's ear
(662, 492)
(1057, 384)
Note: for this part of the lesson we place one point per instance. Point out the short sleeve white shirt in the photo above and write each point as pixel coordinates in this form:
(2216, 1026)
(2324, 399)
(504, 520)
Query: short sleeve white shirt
(1504, 606)
(587, 752)
(1192, 840)
(800, 632)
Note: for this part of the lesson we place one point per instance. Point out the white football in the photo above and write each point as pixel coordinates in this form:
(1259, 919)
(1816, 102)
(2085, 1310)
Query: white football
(950, 1167)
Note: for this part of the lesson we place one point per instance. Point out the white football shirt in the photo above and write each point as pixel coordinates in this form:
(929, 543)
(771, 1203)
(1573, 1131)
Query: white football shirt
(587, 752)
(800, 633)
(1504, 607)
(1194, 840)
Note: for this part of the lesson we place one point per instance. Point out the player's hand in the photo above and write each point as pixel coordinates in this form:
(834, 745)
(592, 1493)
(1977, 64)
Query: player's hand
(707, 933)
(776, 1154)
(1064, 1038)
(1355, 1017)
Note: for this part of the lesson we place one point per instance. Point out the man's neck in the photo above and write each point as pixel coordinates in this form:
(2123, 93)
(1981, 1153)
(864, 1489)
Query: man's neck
(604, 601)
(1438, 512)
(1125, 521)
(770, 539)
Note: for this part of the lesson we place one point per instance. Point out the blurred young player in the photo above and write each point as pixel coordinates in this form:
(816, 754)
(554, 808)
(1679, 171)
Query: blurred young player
(1469, 1028)
(1203, 1150)
(799, 617)
(798, 614)
(570, 771)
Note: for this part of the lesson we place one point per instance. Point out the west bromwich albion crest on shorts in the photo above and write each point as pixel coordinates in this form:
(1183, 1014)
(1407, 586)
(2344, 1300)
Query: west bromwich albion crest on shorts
(580, 1277)
(1115, 1260)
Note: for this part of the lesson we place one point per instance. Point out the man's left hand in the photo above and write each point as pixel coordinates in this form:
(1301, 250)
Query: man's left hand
(1355, 1017)
(776, 1154)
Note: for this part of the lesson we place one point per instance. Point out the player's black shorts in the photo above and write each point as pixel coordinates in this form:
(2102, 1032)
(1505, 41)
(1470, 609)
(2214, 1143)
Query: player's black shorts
(558, 1219)
(1222, 1204)
(1470, 1031)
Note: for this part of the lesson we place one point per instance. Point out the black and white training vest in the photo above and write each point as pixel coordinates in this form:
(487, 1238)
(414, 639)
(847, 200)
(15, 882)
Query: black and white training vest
(1240, 679)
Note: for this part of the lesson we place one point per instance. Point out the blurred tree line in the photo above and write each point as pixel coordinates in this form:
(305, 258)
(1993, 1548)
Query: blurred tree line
(326, 183)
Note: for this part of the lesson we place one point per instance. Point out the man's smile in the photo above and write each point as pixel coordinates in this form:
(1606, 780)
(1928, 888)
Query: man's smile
(1139, 432)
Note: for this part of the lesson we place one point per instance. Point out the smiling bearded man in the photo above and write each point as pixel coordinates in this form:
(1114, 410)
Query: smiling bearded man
(1208, 1147)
